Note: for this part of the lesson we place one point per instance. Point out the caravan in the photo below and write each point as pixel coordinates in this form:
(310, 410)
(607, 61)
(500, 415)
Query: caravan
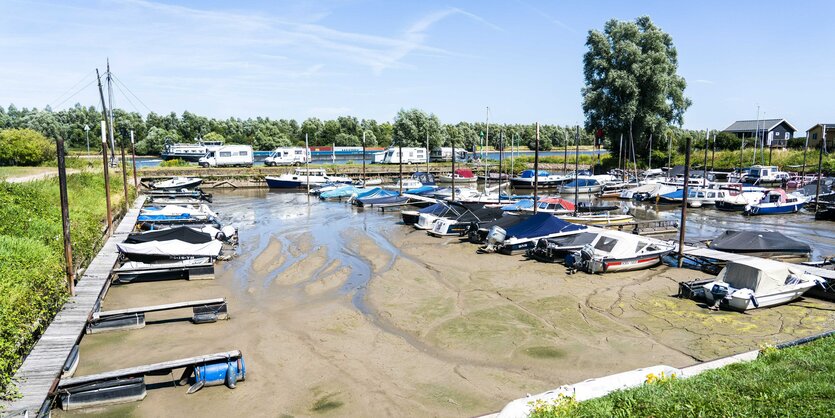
(444, 154)
(410, 155)
(228, 155)
(288, 156)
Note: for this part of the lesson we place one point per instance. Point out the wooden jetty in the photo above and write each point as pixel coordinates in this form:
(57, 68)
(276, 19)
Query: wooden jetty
(659, 227)
(40, 371)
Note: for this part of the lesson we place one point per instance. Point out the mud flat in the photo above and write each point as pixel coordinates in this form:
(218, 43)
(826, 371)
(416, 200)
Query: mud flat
(342, 312)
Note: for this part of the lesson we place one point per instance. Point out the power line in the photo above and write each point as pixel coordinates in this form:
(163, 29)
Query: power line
(71, 89)
(127, 98)
(135, 96)
(74, 94)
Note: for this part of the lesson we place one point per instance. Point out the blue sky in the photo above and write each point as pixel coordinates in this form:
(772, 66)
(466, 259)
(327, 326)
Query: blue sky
(369, 58)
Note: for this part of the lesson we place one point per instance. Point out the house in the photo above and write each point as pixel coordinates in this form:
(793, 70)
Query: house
(815, 134)
(775, 132)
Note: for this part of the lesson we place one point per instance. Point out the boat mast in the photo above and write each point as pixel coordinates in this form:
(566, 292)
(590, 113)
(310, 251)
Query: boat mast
(427, 152)
(484, 149)
(820, 169)
(756, 136)
(400, 159)
(803, 170)
(576, 168)
(704, 167)
(501, 153)
(363, 158)
(741, 152)
(669, 149)
(620, 153)
(307, 163)
(452, 140)
(713, 154)
(110, 111)
(565, 153)
(536, 170)
(649, 157)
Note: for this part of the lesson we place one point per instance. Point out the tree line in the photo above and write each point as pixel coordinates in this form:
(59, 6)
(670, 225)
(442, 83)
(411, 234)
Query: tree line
(411, 127)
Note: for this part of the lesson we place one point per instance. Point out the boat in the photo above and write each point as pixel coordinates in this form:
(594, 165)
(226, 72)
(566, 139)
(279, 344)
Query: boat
(478, 233)
(758, 283)
(543, 178)
(410, 217)
(760, 244)
(524, 235)
(177, 183)
(760, 175)
(459, 226)
(825, 214)
(169, 250)
(615, 190)
(598, 219)
(182, 233)
(776, 202)
(451, 210)
(423, 191)
(377, 196)
(647, 192)
(175, 212)
(300, 177)
(342, 192)
(417, 180)
(553, 250)
(582, 185)
(461, 175)
(188, 152)
(738, 202)
(706, 196)
(613, 251)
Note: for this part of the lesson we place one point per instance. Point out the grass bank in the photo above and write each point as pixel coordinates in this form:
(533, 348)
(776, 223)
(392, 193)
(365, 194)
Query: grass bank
(793, 382)
(32, 279)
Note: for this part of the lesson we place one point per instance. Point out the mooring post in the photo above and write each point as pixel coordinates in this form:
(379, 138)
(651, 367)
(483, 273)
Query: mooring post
(106, 176)
(536, 170)
(124, 174)
(133, 161)
(684, 205)
(65, 216)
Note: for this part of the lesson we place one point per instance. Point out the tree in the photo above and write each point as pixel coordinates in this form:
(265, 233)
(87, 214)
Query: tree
(412, 127)
(213, 136)
(24, 147)
(155, 140)
(631, 82)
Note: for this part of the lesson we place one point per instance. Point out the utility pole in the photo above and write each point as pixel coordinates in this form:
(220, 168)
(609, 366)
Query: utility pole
(106, 177)
(65, 216)
(683, 223)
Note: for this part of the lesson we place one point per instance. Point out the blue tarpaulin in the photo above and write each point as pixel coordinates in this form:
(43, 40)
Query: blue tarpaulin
(540, 225)
(520, 205)
(528, 174)
(582, 183)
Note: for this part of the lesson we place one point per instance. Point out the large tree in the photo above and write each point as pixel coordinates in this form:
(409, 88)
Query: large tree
(413, 126)
(631, 83)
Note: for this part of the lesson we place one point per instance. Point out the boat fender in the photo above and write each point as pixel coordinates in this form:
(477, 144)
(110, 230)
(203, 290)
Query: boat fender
(231, 376)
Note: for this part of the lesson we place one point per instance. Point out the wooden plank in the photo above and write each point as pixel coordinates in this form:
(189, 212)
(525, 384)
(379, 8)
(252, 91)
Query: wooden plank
(157, 308)
(150, 368)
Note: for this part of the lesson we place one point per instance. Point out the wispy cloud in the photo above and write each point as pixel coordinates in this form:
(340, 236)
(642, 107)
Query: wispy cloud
(703, 81)
(548, 17)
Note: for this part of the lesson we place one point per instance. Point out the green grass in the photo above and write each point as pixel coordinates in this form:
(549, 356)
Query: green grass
(793, 382)
(32, 279)
(8, 172)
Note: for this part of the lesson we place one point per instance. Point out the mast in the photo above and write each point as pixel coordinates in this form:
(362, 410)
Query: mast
(452, 140)
(803, 170)
(741, 152)
(484, 150)
(363, 158)
(565, 153)
(400, 159)
(704, 167)
(501, 154)
(820, 169)
(576, 168)
(669, 150)
(713, 154)
(110, 106)
(536, 171)
(427, 152)
(620, 153)
(649, 157)
(307, 164)
(756, 136)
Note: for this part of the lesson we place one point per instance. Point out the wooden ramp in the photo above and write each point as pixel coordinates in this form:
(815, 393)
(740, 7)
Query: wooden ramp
(40, 371)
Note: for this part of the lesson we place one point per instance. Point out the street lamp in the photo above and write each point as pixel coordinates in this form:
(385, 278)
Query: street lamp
(87, 135)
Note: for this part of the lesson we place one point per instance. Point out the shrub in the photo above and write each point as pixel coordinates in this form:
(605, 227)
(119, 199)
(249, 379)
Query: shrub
(174, 163)
(24, 147)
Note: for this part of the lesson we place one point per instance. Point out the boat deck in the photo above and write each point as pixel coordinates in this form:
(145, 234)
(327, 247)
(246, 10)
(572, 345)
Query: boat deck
(42, 368)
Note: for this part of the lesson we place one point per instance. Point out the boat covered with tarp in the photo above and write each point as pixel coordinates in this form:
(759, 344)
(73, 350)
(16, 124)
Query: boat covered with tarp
(410, 217)
(473, 217)
(478, 233)
(181, 233)
(524, 235)
(169, 250)
(759, 243)
(378, 196)
(342, 192)
(758, 283)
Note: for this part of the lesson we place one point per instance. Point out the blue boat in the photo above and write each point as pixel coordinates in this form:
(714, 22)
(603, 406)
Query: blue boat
(340, 192)
(672, 197)
(525, 234)
(776, 202)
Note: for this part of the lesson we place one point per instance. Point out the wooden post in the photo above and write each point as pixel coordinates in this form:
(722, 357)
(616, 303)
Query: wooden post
(133, 161)
(124, 174)
(501, 154)
(106, 176)
(65, 216)
(536, 171)
(684, 204)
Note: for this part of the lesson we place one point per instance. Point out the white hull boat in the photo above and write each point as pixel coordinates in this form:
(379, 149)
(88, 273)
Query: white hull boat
(758, 283)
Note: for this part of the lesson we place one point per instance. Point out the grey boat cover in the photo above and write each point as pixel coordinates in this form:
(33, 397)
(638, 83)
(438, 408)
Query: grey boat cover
(182, 233)
(757, 241)
(172, 248)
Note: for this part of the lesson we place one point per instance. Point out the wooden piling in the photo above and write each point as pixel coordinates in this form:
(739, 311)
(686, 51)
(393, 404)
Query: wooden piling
(683, 223)
(65, 216)
(106, 177)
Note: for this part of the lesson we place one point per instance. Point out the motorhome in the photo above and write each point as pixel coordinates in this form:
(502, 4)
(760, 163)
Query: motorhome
(288, 156)
(444, 154)
(188, 152)
(228, 155)
(410, 155)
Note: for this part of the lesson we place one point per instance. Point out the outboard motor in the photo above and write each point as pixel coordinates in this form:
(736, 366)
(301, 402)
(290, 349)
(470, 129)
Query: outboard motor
(719, 293)
(495, 237)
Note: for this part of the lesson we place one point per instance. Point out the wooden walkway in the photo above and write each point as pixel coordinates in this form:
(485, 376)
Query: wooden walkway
(42, 368)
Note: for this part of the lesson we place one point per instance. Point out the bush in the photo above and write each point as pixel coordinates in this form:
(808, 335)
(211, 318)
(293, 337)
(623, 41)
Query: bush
(174, 163)
(25, 147)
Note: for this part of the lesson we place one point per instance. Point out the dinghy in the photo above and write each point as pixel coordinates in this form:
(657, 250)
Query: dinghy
(177, 183)
(758, 283)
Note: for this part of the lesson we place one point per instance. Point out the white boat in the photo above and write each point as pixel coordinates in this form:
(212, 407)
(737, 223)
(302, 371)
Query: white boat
(598, 219)
(406, 184)
(177, 183)
(739, 202)
(301, 176)
(614, 251)
(583, 185)
(199, 212)
(461, 175)
(758, 283)
(702, 196)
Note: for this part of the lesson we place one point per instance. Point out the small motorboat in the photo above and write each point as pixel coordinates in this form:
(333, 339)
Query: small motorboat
(524, 235)
(554, 250)
(478, 233)
(462, 175)
(614, 251)
(758, 283)
(472, 218)
(176, 213)
(410, 217)
(342, 192)
(582, 185)
(377, 196)
(449, 210)
(300, 177)
(767, 244)
(177, 183)
(776, 202)
(598, 219)
(169, 250)
(417, 180)
(647, 192)
(739, 202)
(544, 179)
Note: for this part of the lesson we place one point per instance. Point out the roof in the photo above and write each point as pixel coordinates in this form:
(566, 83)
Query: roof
(830, 125)
(751, 125)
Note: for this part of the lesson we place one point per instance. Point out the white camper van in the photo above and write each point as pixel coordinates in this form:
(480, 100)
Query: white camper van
(288, 156)
(228, 155)
(444, 154)
(410, 155)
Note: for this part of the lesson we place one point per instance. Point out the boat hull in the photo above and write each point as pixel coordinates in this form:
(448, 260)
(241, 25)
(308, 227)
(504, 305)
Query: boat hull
(285, 184)
(743, 304)
(771, 209)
